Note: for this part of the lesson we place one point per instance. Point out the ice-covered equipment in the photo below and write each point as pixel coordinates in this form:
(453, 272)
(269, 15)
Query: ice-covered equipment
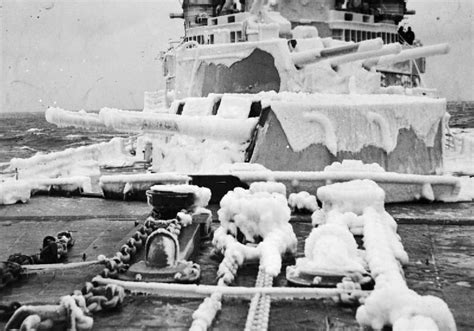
(176, 225)
(357, 207)
(244, 87)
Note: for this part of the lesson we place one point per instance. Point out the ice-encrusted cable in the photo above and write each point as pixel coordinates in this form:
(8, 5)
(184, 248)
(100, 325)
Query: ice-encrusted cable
(259, 309)
(207, 310)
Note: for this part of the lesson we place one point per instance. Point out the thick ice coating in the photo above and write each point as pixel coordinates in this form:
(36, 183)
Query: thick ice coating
(192, 155)
(202, 194)
(350, 122)
(353, 165)
(303, 201)
(270, 187)
(330, 248)
(358, 206)
(260, 214)
(80, 161)
(13, 191)
(353, 196)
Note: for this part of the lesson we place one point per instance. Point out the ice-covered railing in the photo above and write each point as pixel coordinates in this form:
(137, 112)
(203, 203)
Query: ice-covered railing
(401, 187)
(84, 160)
(459, 152)
(120, 186)
(331, 248)
(65, 171)
(13, 191)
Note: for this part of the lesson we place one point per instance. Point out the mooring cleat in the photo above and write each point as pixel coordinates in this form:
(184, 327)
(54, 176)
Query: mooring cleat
(328, 279)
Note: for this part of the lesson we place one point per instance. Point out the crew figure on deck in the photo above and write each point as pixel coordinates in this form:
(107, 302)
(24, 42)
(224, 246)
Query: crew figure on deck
(409, 36)
(401, 35)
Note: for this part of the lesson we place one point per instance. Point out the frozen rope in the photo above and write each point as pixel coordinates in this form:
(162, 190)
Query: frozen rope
(227, 271)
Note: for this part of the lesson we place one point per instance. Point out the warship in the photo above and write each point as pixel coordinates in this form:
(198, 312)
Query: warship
(282, 179)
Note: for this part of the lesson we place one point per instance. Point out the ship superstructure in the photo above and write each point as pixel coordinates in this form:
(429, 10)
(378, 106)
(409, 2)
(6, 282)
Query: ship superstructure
(220, 22)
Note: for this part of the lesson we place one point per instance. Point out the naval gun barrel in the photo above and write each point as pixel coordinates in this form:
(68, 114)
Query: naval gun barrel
(311, 56)
(213, 127)
(408, 54)
(385, 50)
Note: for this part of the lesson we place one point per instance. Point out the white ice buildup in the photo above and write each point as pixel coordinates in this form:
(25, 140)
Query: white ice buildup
(237, 130)
(13, 191)
(241, 166)
(192, 155)
(353, 165)
(459, 151)
(199, 142)
(391, 302)
(80, 161)
(199, 106)
(81, 119)
(351, 122)
(353, 196)
(303, 201)
(202, 195)
(260, 214)
(125, 184)
(270, 187)
(234, 106)
(330, 248)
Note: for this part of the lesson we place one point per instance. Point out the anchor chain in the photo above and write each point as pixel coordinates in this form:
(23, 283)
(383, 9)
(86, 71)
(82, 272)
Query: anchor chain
(100, 298)
(259, 309)
(6, 311)
(76, 308)
(54, 250)
(9, 272)
(71, 309)
(119, 263)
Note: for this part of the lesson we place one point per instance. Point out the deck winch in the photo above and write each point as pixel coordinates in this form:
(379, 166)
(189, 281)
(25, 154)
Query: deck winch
(176, 231)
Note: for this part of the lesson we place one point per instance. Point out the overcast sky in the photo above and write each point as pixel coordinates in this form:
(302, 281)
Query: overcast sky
(452, 21)
(82, 54)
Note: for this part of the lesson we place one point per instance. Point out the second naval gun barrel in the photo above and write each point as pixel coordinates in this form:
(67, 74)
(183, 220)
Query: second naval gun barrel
(408, 54)
(385, 50)
(315, 55)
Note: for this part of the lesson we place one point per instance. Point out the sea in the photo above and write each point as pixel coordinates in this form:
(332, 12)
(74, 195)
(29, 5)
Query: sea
(24, 134)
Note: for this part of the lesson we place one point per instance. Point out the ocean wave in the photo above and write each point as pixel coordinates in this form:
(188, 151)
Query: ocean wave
(27, 148)
(34, 130)
(75, 137)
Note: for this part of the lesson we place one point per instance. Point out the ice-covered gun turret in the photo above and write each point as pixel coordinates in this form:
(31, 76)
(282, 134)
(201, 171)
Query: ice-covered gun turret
(243, 53)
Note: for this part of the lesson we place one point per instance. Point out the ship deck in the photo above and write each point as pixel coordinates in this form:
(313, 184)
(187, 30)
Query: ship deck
(439, 238)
